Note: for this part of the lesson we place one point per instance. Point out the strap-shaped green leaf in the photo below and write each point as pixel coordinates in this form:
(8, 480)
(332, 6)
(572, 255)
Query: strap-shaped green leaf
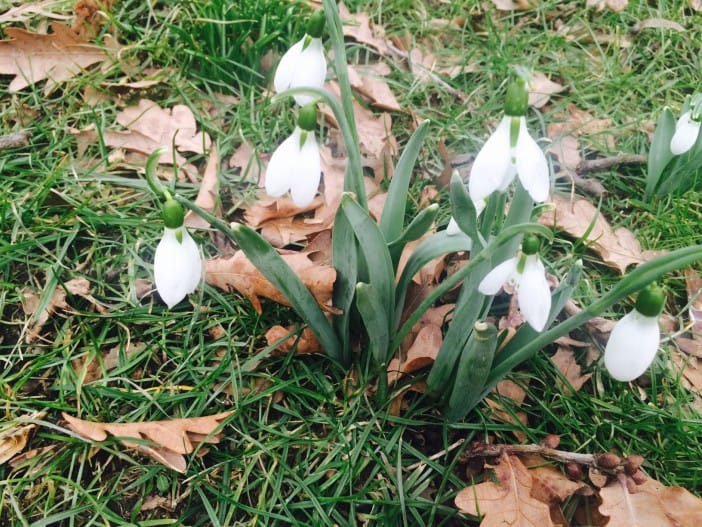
(375, 251)
(472, 371)
(462, 208)
(273, 267)
(393, 217)
(417, 228)
(659, 155)
(372, 311)
(345, 261)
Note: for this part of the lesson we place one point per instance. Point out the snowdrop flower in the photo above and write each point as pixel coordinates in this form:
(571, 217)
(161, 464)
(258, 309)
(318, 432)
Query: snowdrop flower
(633, 344)
(687, 129)
(295, 165)
(526, 272)
(510, 151)
(304, 64)
(177, 263)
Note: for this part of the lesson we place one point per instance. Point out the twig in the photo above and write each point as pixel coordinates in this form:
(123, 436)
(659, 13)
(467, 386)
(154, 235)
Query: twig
(551, 453)
(595, 165)
(14, 140)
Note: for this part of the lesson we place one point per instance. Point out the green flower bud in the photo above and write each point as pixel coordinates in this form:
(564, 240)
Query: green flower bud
(517, 98)
(307, 117)
(315, 24)
(172, 213)
(650, 300)
(531, 244)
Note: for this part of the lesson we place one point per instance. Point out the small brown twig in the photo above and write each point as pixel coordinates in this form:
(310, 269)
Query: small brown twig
(603, 163)
(15, 140)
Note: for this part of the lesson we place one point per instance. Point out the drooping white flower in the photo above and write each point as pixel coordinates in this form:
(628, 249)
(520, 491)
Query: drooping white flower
(634, 341)
(177, 265)
(304, 65)
(501, 158)
(686, 132)
(527, 275)
(295, 166)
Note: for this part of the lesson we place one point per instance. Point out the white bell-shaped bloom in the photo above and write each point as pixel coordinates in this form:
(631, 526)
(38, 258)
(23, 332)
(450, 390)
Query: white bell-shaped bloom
(177, 265)
(632, 346)
(498, 162)
(295, 166)
(527, 275)
(303, 65)
(686, 132)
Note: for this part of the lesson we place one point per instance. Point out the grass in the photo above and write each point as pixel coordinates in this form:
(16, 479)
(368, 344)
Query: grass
(304, 446)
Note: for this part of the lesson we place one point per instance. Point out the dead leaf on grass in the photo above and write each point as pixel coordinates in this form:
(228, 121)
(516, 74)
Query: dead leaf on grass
(613, 5)
(513, 5)
(661, 23)
(651, 504)
(39, 316)
(577, 122)
(237, 272)
(55, 57)
(564, 360)
(508, 501)
(359, 27)
(304, 343)
(618, 248)
(208, 195)
(165, 441)
(421, 353)
(510, 390)
(90, 369)
(14, 436)
(246, 159)
(368, 81)
(541, 88)
(29, 10)
(148, 127)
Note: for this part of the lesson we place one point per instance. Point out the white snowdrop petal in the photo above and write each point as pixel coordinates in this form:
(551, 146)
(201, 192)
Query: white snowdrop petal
(303, 187)
(534, 293)
(177, 266)
(311, 70)
(492, 164)
(452, 228)
(632, 346)
(496, 278)
(282, 163)
(287, 67)
(532, 166)
(685, 136)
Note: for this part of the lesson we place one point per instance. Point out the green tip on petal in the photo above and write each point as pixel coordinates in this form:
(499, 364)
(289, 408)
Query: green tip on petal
(315, 24)
(651, 300)
(517, 98)
(172, 213)
(307, 117)
(531, 244)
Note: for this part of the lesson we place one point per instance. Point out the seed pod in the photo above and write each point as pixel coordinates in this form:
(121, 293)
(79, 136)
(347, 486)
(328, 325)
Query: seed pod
(639, 477)
(607, 460)
(633, 463)
(574, 471)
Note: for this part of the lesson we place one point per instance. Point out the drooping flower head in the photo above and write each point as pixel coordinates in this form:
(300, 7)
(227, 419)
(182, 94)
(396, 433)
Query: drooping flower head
(687, 128)
(510, 151)
(304, 64)
(527, 274)
(177, 262)
(634, 341)
(295, 165)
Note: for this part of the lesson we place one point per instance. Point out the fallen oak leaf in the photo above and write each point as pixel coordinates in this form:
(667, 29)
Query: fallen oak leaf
(368, 82)
(651, 504)
(54, 57)
(305, 343)
(507, 502)
(618, 248)
(208, 195)
(541, 88)
(237, 272)
(165, 441)
(14, 436)
(422, 353)
(564, 360)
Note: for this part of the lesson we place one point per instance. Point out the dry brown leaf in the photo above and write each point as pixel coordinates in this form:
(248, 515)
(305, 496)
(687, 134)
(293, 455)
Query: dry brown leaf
(31, 303)
(614, 5)
(550, 485)
(165, 441)
(14, 436)
(513, 5)
(618, 248)
(368, 81)
(56, 57)
(661, 23)
(564, 360)
(90, 369)
(150, 127)
(90, 16)
(208, 195)
(516, 393)
(541, 88)
(359, 27)
(248, 162)
(421, 354)
(651, 504)
(237, 272)
(304, 343)
(566, 149)
(577, 122)
(695, 4)
(507, 502)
